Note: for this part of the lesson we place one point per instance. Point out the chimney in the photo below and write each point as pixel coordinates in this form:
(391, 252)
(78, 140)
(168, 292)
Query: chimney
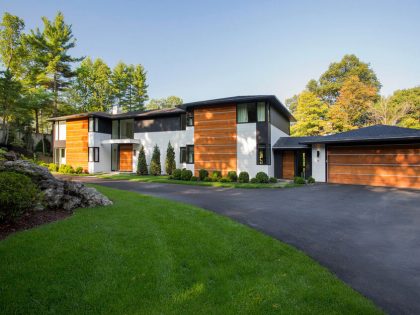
(116, 109)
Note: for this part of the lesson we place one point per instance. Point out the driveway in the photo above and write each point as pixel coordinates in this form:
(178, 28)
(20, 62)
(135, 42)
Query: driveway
(368, 236)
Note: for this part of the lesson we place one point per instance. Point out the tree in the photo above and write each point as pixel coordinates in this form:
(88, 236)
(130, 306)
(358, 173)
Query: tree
(141, 163)
(164, 103)
(54, 62)
(408, 98)
(311, 114)
(386, 112)
(155, 168)
(291, 103)
(170, 164)
(351, 110)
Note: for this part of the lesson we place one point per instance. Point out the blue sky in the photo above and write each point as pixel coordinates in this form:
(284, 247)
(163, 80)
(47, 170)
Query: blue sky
(208, 49)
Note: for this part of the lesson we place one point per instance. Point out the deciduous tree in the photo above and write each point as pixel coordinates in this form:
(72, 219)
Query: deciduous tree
(162, 103)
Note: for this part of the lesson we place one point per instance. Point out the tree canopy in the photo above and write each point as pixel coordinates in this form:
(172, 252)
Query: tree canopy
(162, 103)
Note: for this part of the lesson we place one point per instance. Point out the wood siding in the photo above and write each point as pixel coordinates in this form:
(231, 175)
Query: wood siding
(126, 157)
(215, 138)
(288, 164)
(77, 143)
(390, 165)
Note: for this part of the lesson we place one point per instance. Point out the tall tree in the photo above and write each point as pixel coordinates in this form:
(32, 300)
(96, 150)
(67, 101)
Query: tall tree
(408, 98)
(385, 112)
(52, 46)
(155, 167)
(141, 163)
(311, 114)
(12, 50)
(170, 164)
(291, 103)
(162, 103)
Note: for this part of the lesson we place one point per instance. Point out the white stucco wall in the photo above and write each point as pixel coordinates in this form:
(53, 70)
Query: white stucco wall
(318, 163)
(179, 138)
(276, 133)
(104, 164)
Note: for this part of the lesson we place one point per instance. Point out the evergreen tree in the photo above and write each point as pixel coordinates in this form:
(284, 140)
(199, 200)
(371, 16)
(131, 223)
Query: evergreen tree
(170, 164)
(155, 168)
(141, 163)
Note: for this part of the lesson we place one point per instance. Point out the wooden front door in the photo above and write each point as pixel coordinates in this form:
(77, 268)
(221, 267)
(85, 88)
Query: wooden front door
(126, 157)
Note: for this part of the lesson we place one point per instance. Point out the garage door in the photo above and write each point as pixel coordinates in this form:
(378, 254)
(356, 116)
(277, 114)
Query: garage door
(384, 165)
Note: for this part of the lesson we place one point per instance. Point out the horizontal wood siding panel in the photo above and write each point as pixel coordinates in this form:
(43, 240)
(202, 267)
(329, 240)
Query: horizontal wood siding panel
(376, 180)
(77, 143)
(288, 164)
(375, 159)
(358, 169)
(126, 157)
(215, 138)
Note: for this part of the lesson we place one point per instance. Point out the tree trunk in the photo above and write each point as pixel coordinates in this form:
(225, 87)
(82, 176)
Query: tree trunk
(36, 121)
(55, 92)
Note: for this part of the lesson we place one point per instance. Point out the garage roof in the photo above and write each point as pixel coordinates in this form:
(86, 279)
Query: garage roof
(292, 143)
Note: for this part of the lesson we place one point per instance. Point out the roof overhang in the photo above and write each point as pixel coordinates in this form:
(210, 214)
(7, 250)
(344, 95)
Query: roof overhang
(335, 141)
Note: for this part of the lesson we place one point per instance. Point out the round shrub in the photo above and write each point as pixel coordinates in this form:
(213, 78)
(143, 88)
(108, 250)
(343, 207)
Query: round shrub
(232, 176)
(299, 180)
(194, 178)
(254, 180)
(243, 177)
(66, 169)
(17, 194)
(186, 174)
(262, 177)
(311, 180)
(273, 180)
(216, 175)
(202, 174)
(52, 167)
(176, 174)
(208, 179)
(79, 170)
(225, 179)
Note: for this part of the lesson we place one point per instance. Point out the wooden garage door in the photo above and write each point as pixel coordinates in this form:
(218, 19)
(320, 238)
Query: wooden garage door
(126, 157)
(381, 165)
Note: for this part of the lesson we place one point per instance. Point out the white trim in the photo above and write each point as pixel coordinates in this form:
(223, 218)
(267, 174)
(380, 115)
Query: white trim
(121, 141)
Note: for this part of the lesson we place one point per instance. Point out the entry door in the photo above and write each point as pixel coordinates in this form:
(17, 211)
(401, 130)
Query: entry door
(126, 157)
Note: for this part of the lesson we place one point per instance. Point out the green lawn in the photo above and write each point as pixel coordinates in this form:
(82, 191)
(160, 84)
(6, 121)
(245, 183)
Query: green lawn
(166, 180)
(145, 255)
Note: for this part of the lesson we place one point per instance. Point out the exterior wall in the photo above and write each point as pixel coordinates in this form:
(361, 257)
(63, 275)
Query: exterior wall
(318, 163)
(276, 133)
(279, 121)
(215, 132)
(104, 164)
(178, 139)
(77, 143)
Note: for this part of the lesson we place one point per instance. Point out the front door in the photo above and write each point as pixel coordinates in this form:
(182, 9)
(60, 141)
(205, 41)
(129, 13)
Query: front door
(126, 157)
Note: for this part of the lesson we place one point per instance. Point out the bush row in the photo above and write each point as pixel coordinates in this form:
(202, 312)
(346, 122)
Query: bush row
(216, 176)
(301, 181)
(63, 168)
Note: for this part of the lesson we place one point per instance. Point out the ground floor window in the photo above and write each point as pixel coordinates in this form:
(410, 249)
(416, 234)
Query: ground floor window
(263, 154)
(59, 155)
(190, 154)
(183, 155)
(93, 154)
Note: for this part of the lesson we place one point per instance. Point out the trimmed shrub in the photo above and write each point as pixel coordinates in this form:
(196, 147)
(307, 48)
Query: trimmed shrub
(232, 176)
(186, 174)
(262, 178)
(17, 194)
(299, 180)
(141, 163)
(208, 179)
(176, 174)
(216, 175)
(273, 180)
(52, 167)
(194, 178)
(243, 177)
(170, 164)
(202, 174)
(155, 168)
(225, 179)
(66, 169)
(311, 180)
(79, 170)
(254, 180)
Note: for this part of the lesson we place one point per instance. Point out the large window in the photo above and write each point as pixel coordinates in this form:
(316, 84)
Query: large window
(263, 154)
(190, 119)
(190, 154)
(183, 155)
(251, 112)
(60, 130)
(115, 129)
(93, 154)
(93, 124)
(127, 129)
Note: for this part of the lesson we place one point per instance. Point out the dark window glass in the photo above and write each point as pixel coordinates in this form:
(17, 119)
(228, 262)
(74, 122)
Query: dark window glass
(183, 122)
(190, 119)
(247, 113)
(263, 154)
(63, 153)
(115, 129)
(190, 154)
(93, 154)
(183, 155)
(127, 129)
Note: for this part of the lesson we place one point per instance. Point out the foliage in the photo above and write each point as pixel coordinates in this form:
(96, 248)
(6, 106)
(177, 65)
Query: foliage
(216, 175)
(141, 163)
(155, 167)
(186, 174)
(291, 103)
(164, 103)
(40, 146)
(17, 194)
(243, 177)
(311, 113)
(66, 169)
(407, 100)
(52, 167)
(232, 176)
(170, 163)
(299, 180)
(262, 177)
(273, 180)
(177, 174)
(202, 174)
(194, 178)
(225, 179)
(385, 112)
(311, 180)
(208, 179)
(78, 170)
(254, 180)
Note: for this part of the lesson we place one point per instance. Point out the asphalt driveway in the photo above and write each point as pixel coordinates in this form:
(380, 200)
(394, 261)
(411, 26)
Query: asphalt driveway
(368, 236)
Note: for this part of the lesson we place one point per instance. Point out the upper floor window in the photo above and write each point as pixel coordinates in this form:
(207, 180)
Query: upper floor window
(123, 129)
(190, 119)
(93, 124)
(251, 112)
(60, 130)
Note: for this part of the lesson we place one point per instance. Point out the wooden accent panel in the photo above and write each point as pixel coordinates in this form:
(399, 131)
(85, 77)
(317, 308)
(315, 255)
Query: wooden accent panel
(215, 144)
(126, 157)
(77, 143)
(392, 165)
(288, 164)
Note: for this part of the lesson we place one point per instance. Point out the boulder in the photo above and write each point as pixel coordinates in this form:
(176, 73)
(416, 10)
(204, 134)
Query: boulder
(58, 194)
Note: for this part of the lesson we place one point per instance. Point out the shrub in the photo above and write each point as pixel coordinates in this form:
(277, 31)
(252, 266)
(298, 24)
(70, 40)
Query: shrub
(273, 180)
(155, 168)
(194, 178)
(311, 180)
(17, 194)
(66, 169)
(176, 174)
(225, 179)
(52, 167)
(208, 179)
(202, 174)
(141, 163)
(299, 180)
(254, 180)
(262, 178)
(232, 176)
(216, 175)
(243, 177)
(186, 174)
(170, 164)
(79, 170)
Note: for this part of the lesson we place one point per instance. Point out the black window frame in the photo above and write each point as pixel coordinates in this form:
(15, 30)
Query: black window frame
(190, 147)
(183, 121)
(183, 155)
(95, 124)
(266, 148)
(253, 117)
(95, 157)
(190, 119)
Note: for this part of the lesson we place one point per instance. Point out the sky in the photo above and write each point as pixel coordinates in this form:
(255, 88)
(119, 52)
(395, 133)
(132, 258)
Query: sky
(201, 50)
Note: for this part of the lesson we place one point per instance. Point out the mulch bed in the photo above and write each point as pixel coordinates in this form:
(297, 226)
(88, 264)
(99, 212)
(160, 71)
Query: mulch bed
(30, 220)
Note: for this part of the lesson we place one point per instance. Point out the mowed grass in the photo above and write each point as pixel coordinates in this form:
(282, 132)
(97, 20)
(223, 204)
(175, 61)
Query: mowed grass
(145, 255)
(165, 180)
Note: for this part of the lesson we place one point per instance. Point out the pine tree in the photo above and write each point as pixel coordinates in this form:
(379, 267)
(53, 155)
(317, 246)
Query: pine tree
(155, 168)
(170, 164)
(141, 163)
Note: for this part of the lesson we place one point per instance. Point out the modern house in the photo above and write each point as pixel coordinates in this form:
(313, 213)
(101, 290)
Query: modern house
(243, 133)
